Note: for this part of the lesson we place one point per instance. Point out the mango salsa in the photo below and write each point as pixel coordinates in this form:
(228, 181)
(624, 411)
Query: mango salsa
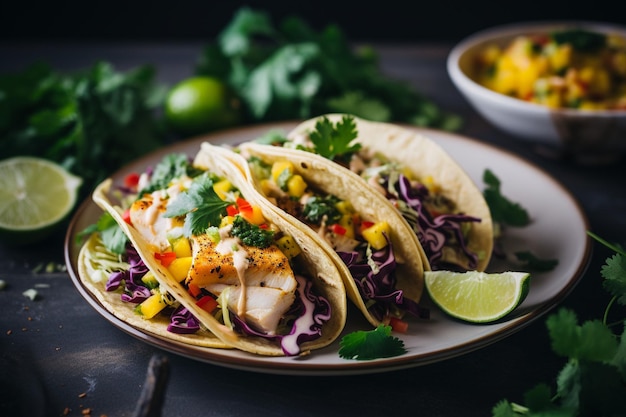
(288, 246)
(181, 247)
(296, 186)
(566, 69)
(151, 306)
(375, 234)
(179, 268)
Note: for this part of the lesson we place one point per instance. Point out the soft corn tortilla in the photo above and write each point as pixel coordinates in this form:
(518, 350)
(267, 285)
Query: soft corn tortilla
(424, 157)
(318, 265)
(333, 179)
(112, 301)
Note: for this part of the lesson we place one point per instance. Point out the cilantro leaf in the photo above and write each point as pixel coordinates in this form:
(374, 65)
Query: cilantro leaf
(502, 209)
(614, 273)
(335, 140)
(532, 262)
(200, 205)
(590, 341)
(372, 344)
(113, 237)
(172, 166)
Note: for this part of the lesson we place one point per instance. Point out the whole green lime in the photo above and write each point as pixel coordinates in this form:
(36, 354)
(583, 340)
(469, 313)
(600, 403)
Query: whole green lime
(201, 104)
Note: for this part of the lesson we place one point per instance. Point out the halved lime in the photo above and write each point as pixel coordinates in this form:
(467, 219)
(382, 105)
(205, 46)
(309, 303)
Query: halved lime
(35, 195)
(477, 297)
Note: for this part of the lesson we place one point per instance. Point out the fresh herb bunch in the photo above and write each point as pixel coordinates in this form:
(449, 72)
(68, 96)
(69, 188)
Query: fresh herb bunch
(289, 71)
(91, 121)
(593, 381)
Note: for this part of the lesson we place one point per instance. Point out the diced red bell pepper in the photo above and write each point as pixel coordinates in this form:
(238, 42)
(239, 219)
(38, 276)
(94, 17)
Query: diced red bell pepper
(194, 290)
(131, 180)
(365, 225)
(244, 207)
(232, 210)
(166, 258)
(398, 325)
(207, 303)
(126, 216)
(338, 229)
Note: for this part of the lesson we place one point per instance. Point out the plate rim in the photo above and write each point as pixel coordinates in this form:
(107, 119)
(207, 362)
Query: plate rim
(270, 365)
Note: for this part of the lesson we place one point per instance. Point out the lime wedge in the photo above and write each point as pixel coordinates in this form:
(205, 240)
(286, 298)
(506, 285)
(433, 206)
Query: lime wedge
(35, 195)
(477, 297)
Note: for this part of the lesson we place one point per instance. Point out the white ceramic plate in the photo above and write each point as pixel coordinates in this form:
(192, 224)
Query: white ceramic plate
(558, 231)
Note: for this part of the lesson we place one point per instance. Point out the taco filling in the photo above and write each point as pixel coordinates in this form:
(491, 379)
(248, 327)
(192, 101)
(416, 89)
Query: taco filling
(362, 243)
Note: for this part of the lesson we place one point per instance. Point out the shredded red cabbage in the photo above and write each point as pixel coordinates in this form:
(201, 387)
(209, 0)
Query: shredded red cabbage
(380, 285)
(182, 321)
(434, 232)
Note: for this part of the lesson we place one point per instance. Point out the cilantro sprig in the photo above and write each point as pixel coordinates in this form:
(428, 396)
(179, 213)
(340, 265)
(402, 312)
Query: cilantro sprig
(371, 344)
(593, 380)
(200, 205)
(335, 140)
(505, 212)
(112, 235)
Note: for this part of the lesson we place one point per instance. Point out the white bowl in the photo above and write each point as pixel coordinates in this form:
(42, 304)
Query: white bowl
(588, 136)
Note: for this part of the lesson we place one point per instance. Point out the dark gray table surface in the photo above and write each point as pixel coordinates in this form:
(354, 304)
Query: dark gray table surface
(58, 355)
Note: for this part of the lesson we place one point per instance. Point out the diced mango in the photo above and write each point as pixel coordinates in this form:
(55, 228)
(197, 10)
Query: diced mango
(347, 222)
(151, 306)
(266, 186)
(254, 215)
(181, 247)
(179, 268)
(344, 207)
(278, 168)
(226, 220)
(288, 246)
(375, 234)
(296, 186)
(150, 280)
(222, 187)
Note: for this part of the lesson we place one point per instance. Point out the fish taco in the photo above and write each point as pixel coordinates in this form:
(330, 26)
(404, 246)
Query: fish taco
(372, 245)
(252, 280)
(443, 205)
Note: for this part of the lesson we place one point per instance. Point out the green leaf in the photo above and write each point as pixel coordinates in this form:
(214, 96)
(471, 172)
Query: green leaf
(174, 165)
(603, 391)
(563, 330)
(533, 263)
(569, 385)
(200, 205)
(334, 141)
(372, 344)
(593, 341)
(502, 209)
(360, 105)
(614, 273)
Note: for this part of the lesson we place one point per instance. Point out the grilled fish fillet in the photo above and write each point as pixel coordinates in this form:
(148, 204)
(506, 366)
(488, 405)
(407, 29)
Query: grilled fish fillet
(266, 267)
(261, 281)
